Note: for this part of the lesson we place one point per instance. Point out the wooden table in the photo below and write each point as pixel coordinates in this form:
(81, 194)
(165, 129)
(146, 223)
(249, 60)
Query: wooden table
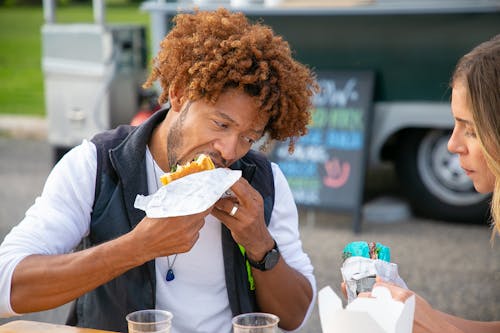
(25, 326)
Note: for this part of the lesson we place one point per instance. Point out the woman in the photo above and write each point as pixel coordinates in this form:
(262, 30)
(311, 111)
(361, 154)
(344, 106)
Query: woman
(475, 105)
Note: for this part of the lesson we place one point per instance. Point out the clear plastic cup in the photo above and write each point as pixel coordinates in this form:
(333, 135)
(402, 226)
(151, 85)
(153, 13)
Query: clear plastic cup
(255, 322)
(149, 321)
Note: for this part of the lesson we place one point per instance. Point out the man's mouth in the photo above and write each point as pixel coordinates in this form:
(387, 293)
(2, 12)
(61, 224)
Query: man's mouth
(219, 162)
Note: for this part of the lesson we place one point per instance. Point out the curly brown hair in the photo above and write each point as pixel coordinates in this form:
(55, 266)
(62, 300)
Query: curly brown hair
(208, 52)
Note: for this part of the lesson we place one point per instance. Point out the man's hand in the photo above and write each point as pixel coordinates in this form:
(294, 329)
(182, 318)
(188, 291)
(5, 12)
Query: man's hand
(247, 225)
(282, 290)
(159, 237)
(62, 278)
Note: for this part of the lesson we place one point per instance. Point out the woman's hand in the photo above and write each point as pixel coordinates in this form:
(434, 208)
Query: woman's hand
(397, 293)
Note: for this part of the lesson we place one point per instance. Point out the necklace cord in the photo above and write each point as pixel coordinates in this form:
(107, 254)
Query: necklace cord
(170, 272)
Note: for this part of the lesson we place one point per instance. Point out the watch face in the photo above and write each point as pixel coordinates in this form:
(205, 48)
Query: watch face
(271, 259)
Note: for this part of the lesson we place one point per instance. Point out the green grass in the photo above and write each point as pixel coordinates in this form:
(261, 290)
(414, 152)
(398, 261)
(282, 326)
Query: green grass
(21, 78)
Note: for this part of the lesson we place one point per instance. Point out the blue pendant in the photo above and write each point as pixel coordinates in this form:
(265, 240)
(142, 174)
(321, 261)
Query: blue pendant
(170, 275)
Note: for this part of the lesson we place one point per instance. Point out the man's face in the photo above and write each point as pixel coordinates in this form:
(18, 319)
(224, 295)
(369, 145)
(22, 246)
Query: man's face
(465, 143)
(225, 130)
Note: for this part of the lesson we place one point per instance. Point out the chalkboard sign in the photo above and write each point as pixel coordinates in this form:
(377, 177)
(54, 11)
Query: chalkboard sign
(327, 168)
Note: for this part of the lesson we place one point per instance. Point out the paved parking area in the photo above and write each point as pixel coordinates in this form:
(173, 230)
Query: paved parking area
(453, 266)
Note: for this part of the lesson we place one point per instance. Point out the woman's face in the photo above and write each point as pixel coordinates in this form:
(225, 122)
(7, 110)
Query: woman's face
(465, 143)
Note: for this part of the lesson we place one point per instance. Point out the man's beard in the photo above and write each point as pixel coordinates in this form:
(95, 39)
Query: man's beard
(175, 139)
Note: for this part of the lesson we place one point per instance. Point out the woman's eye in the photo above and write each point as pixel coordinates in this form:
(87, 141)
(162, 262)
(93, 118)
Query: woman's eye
(470, 133)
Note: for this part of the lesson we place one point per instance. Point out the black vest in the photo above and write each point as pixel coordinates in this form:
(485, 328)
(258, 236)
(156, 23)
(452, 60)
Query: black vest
(121, 175)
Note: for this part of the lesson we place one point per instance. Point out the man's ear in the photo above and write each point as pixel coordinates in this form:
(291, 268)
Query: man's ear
(176, 97)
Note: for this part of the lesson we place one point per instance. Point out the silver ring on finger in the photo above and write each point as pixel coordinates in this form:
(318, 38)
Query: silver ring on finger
(233, 210)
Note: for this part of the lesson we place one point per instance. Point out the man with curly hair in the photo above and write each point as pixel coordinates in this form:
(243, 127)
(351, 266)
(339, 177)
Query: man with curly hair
(228, 83)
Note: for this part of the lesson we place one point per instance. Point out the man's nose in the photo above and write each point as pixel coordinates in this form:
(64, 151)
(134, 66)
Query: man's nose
(227, 147)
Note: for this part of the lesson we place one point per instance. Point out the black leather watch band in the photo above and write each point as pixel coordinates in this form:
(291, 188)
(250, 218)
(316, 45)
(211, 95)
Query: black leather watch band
(269, 261)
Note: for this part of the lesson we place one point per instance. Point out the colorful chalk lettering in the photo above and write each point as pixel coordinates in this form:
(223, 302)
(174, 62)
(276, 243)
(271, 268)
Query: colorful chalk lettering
(306, 197)
(304, 183)
(313, 137)
(319, 117)
(344, 140)
(348, 119)
(326, 168)
(309, 154)
(298, 168)
(337, 173)
(332, 94)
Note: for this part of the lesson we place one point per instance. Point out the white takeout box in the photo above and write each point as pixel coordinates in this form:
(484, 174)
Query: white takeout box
(381, 314)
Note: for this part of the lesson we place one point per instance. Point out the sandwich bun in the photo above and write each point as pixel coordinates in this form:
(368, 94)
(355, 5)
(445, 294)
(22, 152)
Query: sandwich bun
(201, 163)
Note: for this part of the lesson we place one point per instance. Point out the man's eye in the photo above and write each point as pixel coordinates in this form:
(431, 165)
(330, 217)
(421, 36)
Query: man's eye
(220, 124)
(249, 139)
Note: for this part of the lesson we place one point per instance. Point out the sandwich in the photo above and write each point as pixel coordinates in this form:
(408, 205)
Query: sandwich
(201, 163)
(369, 250)
(360, 275)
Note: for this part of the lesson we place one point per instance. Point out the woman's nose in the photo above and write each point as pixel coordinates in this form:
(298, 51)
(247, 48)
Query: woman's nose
(455, 144)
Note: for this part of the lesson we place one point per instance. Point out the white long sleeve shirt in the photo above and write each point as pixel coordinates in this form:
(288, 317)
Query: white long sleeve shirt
(197, 297)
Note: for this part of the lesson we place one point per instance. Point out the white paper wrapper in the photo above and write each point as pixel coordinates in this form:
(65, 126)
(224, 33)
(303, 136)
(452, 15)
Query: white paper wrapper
(188, 195)
(355, 269)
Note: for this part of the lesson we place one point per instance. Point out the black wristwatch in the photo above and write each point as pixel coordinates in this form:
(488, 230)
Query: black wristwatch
(269, 261)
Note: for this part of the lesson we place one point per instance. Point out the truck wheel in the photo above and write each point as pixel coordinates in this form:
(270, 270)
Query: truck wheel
(434, 182)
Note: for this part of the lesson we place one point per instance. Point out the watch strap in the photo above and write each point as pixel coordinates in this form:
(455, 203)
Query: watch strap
(261, 265)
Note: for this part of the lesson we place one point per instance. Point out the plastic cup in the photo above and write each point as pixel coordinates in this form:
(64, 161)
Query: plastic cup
(149, 321)
(255, 322)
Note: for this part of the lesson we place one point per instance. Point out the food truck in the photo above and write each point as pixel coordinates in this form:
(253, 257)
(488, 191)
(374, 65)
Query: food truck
(411, 47)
